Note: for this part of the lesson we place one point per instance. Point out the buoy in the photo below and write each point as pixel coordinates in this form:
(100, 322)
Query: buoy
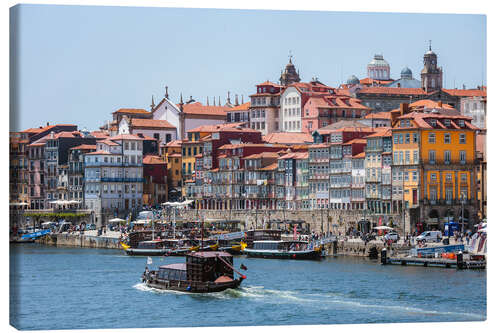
(243, 277)
(188, 288)
(293, 256)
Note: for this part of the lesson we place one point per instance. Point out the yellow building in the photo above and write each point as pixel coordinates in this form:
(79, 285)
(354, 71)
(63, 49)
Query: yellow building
(172, 153)
(436, 154)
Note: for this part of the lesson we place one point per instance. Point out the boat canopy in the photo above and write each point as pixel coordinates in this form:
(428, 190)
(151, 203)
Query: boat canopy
(178, 204)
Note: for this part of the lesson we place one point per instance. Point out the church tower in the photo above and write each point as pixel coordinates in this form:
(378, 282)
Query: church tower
(431, 75)
(290, 75)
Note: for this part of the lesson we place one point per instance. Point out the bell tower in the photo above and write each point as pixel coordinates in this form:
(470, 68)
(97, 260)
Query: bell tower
(431, 75)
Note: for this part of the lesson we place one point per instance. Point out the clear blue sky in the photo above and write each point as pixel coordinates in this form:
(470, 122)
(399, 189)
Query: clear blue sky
(77, 64)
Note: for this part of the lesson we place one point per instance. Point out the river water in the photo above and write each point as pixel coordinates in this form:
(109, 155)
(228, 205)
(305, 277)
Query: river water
(75, 288)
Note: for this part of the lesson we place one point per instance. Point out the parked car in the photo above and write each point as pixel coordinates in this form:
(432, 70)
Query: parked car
(430, 236)
(391, 236)
(90, 226)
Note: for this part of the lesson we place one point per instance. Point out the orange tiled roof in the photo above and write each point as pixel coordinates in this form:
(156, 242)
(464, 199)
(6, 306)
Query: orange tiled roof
(108, 142)
(381, 132)
(379, 115)
(132, 111)
(288, 138)
(241, 107)
(99, 152)
(99, 134)
(213, 128)
(154, 123)
(175, 143)
(125, 137)
(391, 91)
(272, 166)
(151, 159)
(358, 140)
(206, 110)
(90, 147)
(360, 155)
(427, 103)
(466, 92)
(269, 83)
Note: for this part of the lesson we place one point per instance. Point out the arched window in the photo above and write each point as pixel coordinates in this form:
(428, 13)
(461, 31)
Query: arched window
(433, 83)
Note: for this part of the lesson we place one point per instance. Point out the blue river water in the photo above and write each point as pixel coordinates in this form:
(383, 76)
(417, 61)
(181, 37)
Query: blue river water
(75, 288)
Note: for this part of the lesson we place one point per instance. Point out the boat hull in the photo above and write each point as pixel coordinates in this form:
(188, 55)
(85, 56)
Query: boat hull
(297, 255)
(146, 252)
(193, 286)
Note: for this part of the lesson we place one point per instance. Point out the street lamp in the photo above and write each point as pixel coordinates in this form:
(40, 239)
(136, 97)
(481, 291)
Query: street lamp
(462, 199)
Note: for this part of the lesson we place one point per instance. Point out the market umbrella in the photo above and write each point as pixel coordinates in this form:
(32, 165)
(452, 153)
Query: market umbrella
(383, 227)
(117, 220)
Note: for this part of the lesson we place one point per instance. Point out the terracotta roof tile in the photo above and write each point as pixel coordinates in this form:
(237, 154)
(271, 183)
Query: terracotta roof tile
(153, 123)
(132, 111)
(152, 159)
(288, 138)
(241, 107)
(84, 147)
(207, 110)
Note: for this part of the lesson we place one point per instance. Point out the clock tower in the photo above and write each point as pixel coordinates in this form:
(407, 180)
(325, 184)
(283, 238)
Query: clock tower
(431, 75)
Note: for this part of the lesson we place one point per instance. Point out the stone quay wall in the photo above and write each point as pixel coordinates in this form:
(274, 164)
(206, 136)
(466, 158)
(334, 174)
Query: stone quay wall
(80, 241)
(342, 219)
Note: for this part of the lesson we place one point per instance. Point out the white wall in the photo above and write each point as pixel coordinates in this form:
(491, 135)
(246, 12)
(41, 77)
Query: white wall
(290, 111)
(168, 111)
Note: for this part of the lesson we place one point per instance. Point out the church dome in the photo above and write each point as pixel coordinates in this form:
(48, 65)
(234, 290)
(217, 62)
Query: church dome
(378, 61)
(352, 80)
(406, 73)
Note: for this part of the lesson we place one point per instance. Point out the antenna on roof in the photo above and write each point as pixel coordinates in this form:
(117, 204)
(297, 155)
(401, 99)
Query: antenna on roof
(207, 102)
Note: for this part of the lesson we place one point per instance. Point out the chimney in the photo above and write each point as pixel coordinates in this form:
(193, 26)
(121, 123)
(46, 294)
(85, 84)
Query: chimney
(47, 123)
(463, 86)
(403, 108)
(236, 99)
(440, 103)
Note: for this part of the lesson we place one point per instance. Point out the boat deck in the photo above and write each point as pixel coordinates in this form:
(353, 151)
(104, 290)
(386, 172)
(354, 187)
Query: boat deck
(437, 262)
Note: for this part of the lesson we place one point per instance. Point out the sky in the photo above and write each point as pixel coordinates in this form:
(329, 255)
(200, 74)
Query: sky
(78, 64)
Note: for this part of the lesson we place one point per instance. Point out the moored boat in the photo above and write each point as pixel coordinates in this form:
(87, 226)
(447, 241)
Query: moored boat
(277, 249)
(203, 272)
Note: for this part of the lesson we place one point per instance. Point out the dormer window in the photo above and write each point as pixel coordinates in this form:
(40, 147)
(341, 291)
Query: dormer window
(447, 122)
(433, 122)
(461, 123)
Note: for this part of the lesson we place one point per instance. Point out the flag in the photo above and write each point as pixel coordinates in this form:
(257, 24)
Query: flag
(150, 261)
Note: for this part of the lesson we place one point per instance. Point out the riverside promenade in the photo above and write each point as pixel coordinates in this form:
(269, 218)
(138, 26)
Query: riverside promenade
(89, 239)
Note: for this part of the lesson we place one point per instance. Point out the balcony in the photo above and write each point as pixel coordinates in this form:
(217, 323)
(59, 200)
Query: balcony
(122, 180)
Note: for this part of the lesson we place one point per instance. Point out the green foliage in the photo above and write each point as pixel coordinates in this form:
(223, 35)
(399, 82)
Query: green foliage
(66, 216)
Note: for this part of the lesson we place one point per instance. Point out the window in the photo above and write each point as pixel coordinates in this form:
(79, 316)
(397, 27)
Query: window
(447, 122)
(461, 139)
(415, 137)
(432, 156)
(448, 177)
(407, 138)
(463, 156)
(447, 138)
(415, 157)
(447, 156)
(432, 138)
(156, 136)
(414, 176)
(407, 156)
(463, 178)
(396, 139)
(433, 176)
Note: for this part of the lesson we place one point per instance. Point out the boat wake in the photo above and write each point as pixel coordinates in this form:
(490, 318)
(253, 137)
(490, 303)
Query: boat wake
(261, 294)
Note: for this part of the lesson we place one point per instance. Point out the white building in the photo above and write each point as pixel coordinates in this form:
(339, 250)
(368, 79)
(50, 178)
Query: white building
(159, 129)
(290, 119)
(188, 115)
(474, 107)
(114, 178)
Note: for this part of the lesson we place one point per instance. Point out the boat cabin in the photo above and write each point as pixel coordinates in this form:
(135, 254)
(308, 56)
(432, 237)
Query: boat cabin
(209, 266)
(262, 235)
(280, 245)
(157, 244)
(175, 272)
